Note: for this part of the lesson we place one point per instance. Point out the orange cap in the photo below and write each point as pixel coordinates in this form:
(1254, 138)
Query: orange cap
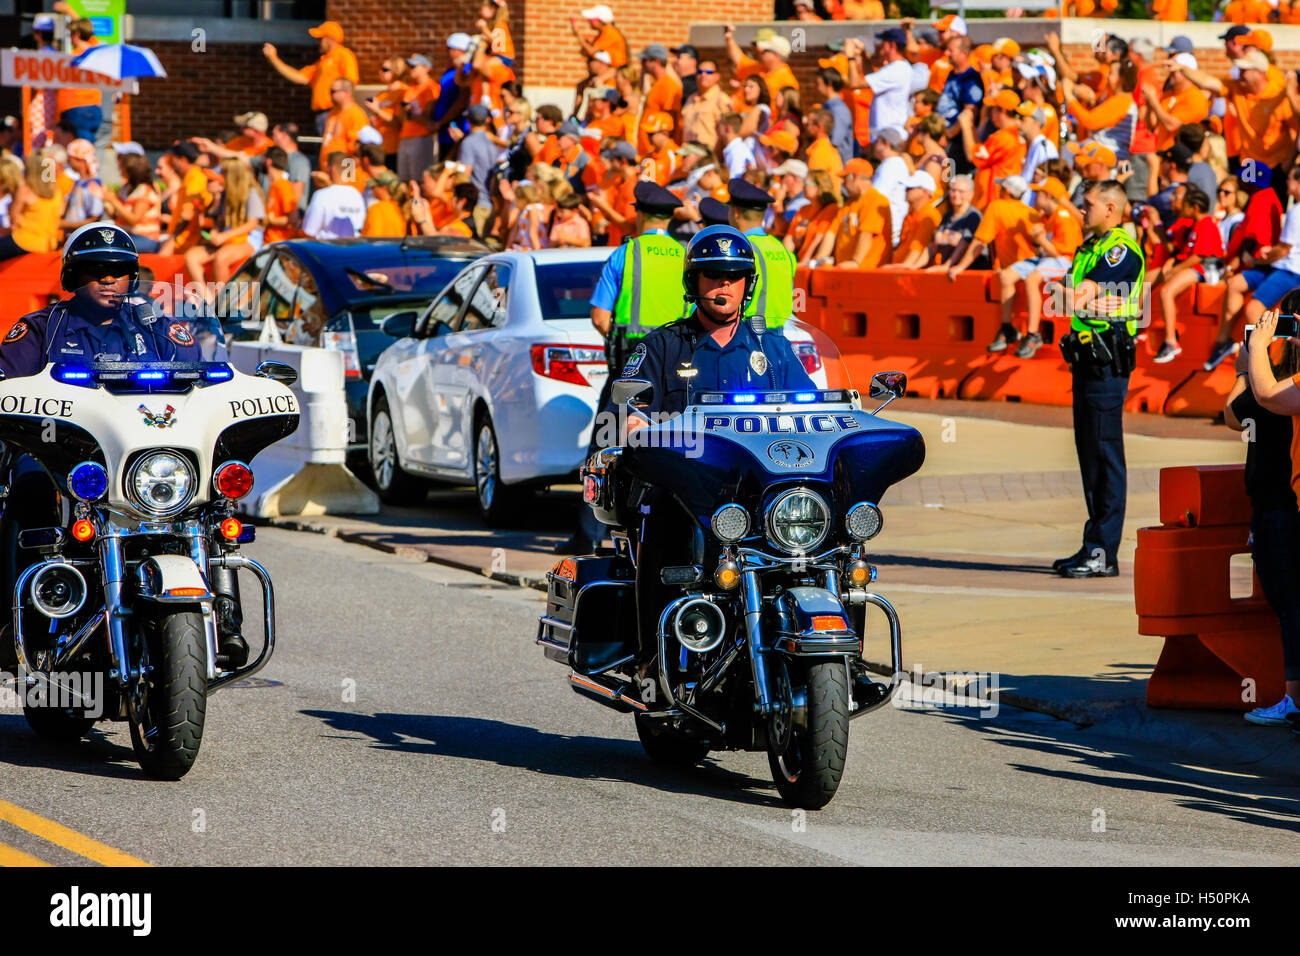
(949, 22)
(328, 29)
(1052, 186)
(857, 167)
(1258, 38)
(656, 122)
(1092, 152)
(780, 139)
(982, 53)
(839, 63)
(1007, 46)
(1006, 99)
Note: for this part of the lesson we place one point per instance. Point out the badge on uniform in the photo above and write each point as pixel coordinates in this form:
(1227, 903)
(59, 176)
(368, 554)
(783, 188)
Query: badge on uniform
(758, 362)
(180, 334)
(686, 371)
(140, 348)
(634, 361)
(1115, 254)
(17, 332)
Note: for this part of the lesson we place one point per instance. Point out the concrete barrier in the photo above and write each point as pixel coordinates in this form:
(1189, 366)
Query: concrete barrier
(307, 473)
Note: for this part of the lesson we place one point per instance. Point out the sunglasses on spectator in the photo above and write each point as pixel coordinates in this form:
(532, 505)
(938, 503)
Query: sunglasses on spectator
(1226, 192)
(385, 69)
(707, 72)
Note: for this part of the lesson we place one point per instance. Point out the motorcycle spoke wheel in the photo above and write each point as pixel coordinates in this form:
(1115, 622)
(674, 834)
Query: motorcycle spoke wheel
(168, 707)
(807, 770)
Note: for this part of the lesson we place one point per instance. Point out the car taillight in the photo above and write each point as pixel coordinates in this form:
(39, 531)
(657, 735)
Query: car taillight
(561, 362)
(345, 343)
(806, 352)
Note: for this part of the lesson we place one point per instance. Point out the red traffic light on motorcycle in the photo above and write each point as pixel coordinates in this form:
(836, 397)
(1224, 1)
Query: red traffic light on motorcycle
(233, 480)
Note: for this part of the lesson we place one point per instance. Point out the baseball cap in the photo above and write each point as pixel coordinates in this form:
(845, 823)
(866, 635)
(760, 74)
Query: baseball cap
(952, 23)
(328, 29)
(857, 167)
(1185, 59)
(1006, 46)
(1031, 110)
(782, 140)
(1052, 186)
(419, 59)
(1253, 60)
(1259, 38)
(892, 35)
(920, 180)
(131, 148)
(694, 149)
(1092, 152)
(928, 35)
(1180, 44)
(621, 150)
(567, 128)
(612, 95)
(368, 134)
(458, 41)
(1178, 154)
(697, 174)
(599, 12)
(385, 179)
(1005, 99)
(1234, 31)
(792, 167)
(839, 63)
(1015, 186)
(891, 136)
(655, 51)
(604, 57)
(185, 149)
(253, 120)
(776, 44)
(478, 114)
(684, 50)
(43, 23)
(657, 122)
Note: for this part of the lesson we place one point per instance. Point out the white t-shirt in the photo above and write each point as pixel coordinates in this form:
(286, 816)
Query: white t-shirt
(335, 212)
(1290, 237)
(888, 181)
(738, 157)
(892, 86)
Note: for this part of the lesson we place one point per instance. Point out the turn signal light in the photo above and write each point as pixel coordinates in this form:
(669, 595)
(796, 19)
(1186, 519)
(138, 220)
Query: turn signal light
(727, 576)
(859, 574)
(233, 480)
(83, 530)
(187, 592)
(828, 622)
(231, 528)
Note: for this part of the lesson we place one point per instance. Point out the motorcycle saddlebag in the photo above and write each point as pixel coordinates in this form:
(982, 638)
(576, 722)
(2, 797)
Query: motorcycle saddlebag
(590, 619)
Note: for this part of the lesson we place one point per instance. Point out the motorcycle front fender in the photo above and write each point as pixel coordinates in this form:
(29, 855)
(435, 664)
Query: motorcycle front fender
(172, 579)
(814, 623)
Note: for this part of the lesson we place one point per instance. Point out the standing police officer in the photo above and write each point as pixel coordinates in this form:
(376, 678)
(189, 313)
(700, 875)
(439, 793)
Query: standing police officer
(1106, 285)
(774, 297)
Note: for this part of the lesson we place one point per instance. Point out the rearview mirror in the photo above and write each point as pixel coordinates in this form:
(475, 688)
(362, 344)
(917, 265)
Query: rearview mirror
(626, 389)
(400, 325)
(277, 372)
(889, 385)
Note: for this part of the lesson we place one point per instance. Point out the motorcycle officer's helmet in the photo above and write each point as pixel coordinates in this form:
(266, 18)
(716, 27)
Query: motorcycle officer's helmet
(97, 243)
(719, 249)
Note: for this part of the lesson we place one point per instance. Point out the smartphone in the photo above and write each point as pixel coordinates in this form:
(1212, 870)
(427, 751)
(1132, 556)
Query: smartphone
(1288, 326)
(1125, 166)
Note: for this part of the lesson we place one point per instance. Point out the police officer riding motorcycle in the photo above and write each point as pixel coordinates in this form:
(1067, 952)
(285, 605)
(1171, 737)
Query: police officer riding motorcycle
(91, 387)
(742, 497)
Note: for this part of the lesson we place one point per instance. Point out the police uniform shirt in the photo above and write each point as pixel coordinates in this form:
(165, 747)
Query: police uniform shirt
(611, 276)
(1118, 265)
(683, 356)
(57, 334)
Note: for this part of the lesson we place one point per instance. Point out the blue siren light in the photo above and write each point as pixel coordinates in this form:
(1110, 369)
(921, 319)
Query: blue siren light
(88, 481)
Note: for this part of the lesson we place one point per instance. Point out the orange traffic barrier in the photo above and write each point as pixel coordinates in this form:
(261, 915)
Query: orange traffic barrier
(1220, 652)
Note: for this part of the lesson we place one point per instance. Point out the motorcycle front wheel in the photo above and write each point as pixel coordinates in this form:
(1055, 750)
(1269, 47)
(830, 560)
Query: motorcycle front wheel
(167, 715)
(807, 762)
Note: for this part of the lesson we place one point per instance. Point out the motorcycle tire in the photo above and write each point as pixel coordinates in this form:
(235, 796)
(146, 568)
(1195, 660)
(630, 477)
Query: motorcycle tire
(395, 485)
(807, 772)
(166, 734)
(666, 746)
(59, 725)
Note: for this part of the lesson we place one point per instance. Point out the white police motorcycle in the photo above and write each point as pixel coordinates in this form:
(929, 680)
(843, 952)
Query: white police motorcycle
(125, 596)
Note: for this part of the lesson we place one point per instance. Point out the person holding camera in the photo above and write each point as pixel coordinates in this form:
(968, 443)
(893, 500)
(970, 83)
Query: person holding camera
(1262, 404)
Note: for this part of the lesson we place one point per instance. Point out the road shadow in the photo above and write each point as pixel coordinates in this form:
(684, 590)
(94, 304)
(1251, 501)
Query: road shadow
(95, 755)
(562, 755)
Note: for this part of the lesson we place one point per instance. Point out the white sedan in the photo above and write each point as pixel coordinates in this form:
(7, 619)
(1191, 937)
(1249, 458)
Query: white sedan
(496, 381)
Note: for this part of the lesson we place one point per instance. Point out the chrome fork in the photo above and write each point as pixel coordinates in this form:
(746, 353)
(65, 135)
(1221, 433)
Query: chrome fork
(110, 558)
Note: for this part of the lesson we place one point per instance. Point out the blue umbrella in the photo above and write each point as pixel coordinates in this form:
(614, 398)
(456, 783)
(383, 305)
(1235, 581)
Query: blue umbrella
(120, 60)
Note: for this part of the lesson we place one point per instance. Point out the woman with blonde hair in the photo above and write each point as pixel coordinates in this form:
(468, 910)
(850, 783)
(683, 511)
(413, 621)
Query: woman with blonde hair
(241, 212)
(529, 230)
(35, 212)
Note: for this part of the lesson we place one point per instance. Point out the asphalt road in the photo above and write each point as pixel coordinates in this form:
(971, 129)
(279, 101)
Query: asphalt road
(409, 719)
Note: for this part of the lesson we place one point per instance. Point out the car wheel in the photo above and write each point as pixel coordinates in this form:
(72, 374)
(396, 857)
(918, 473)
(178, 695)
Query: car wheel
(395, 486)
(498, 502)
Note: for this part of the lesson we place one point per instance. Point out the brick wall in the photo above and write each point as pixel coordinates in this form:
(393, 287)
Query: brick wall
(375, 29)
(203, 91)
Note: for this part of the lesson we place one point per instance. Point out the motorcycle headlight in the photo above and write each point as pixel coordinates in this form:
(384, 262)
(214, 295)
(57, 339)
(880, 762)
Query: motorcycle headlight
(730, 523)
(161, 483)
(864, 521)
(797, 521)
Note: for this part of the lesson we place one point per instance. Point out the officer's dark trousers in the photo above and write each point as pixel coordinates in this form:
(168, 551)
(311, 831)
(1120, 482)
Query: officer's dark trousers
(1099, 440)
(664, 538)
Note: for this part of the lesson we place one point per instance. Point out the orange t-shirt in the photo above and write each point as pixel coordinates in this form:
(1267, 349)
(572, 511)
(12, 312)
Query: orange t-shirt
(863, 10)
(1247, 11)
(423, 95)
(809, 225)
(859, 102)
(612, 41)
(776, 81)
(350, 120)
(338, 62)
(659, 167)
(194, 195)
(1189, 106)
(391, 99)
(1170, 11)
(615, 126)
(664, 97)
(917, 232)
(487, 90)
(1005, 228)
(503, 44)
(281, 200)
(458, 228)
(822, 154)
(868, 213)
(1065, 232)
(1001, 155)
(940, 70)
(619, 194)
(384, 219)
(70, 98)
(249, 147)
(1263, 125)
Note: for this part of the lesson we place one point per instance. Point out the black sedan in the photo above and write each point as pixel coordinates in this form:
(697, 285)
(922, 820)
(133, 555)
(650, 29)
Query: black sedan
(335, 293)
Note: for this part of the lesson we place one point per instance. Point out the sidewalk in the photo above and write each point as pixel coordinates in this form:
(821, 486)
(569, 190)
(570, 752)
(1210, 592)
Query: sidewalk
(965, 557)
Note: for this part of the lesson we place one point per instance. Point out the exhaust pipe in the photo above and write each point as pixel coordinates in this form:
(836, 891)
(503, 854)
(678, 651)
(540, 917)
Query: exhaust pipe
(57, 590)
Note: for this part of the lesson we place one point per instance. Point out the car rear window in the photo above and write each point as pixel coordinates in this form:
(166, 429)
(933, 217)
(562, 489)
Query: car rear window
(564, 290)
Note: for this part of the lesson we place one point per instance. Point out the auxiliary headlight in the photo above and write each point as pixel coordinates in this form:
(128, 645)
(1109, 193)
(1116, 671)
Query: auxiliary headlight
(730, 523)
(798, 521)
(161, 483)
(864, 521)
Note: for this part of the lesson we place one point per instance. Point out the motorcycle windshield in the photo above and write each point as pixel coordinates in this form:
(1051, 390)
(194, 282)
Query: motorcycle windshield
(812, 350)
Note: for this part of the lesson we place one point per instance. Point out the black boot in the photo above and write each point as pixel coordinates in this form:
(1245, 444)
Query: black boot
(232, 651)
(866, 691)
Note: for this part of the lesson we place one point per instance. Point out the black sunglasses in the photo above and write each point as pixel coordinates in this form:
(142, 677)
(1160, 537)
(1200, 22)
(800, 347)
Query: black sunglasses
(385, 69)
(716, 275)
(707, 72)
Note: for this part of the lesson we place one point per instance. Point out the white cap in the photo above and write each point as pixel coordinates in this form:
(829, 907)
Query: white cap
(920, 180)
(368, 134)
(599, 12)
(43, 22)
(777, 44)
(604, 57)
(793, 167)
(458, 41)
(697, 174)
(128, 149)
(1186, 59)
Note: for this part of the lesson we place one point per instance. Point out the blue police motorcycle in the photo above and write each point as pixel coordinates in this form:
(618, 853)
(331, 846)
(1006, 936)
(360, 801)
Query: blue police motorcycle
(760, 636)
